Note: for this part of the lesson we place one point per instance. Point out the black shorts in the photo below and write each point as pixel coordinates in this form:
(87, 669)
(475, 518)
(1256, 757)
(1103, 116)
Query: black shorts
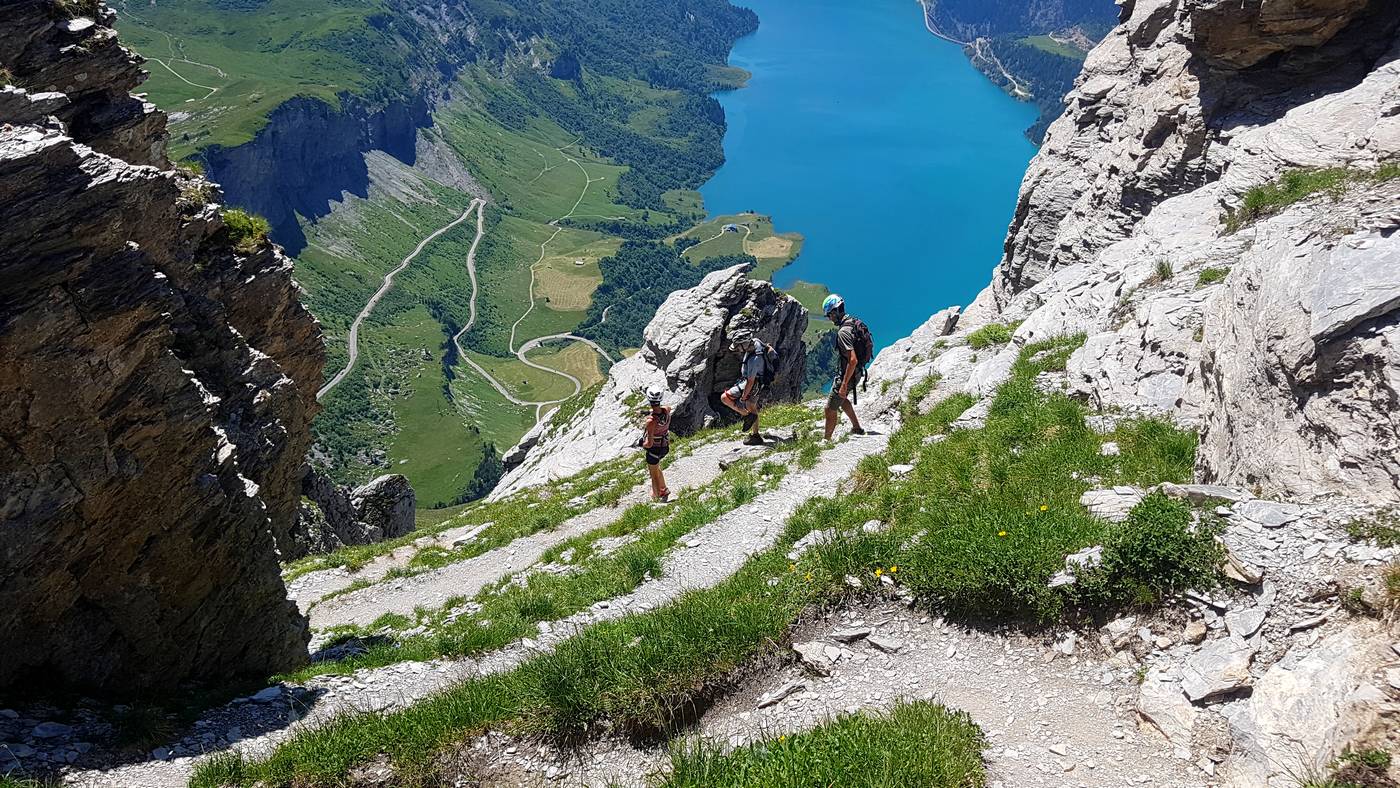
(656, 453)
(834, 401)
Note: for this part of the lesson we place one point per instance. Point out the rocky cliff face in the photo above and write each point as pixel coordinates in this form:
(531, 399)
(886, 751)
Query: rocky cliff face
(309, 154)
(1155, 222)
(685, 353)
(1158, 108)
(1286, 364)
(160, 379)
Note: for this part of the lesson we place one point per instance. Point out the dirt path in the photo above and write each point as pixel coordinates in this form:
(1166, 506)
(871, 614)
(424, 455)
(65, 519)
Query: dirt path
(1051, 719)
(720, 548)
(353, 341)
(465, 578)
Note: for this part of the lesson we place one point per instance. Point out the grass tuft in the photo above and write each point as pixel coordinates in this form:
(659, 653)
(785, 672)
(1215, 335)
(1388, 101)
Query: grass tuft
(1295, 186)
(1383, 529)
(1211, 275)
(1163, 271)
(991, 334)
(914, 744)
(142, 727)
(247, 231)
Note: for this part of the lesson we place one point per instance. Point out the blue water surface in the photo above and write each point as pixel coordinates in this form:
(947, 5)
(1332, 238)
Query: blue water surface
(877, 141)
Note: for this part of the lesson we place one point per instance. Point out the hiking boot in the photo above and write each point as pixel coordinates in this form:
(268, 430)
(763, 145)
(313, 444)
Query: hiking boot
(754, 439)
(750, 420)
(857, 431)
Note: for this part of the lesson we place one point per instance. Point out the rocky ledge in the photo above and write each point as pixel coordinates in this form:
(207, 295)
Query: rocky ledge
(333, 516)
(160, 378)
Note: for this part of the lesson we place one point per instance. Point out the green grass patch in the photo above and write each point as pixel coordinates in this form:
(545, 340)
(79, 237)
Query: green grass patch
(991, 334)
(509, 609)
(1211, 275)
(1384, 529)
(246, 231)
(527, 512)
(918, 744)
(1050, 45)
(1295, 186)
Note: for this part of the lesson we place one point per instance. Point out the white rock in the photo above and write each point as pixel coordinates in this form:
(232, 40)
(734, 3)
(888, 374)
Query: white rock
(1113, 504)
(1268, 514)
(781, 693)
(850, 634)
(887, 645)
(1219, 668)
(812, 655)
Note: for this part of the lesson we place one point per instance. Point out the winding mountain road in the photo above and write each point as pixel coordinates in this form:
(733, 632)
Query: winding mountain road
(478, 205)
(353, 341)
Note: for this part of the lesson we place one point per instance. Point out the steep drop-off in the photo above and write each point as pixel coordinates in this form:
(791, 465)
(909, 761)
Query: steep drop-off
(159, 384)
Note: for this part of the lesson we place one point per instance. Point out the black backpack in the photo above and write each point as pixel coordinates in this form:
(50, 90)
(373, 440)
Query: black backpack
(864, 343)
(770, 365)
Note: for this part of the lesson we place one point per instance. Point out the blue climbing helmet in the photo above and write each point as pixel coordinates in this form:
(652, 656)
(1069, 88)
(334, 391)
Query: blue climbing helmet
(831, 302)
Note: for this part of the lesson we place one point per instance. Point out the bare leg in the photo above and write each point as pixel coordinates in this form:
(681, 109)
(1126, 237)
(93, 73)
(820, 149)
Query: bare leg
(658, 482)
(851, 413)
(731, 404)
(831, 415)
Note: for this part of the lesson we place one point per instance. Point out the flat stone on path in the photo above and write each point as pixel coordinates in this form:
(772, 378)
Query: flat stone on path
(1219, 668)
(1268, 514)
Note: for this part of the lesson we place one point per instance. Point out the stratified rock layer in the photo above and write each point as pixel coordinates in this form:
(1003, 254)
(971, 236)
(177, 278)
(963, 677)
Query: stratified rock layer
(685, 353)
(159, 382)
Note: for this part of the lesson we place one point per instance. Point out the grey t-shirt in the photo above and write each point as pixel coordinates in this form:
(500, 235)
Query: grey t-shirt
(753, 362)
(845, 343)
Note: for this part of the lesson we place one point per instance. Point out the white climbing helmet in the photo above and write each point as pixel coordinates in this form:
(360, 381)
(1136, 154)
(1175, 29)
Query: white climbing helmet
(654, 395)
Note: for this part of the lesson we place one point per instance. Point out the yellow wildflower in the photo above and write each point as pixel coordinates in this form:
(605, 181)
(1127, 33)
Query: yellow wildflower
(1001, 533)
(792, 567)
(1044, 508)
(879, 572)
(809, 576)
(894, 569)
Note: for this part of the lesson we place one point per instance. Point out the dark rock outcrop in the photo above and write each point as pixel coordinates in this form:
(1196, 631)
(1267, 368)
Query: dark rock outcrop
(309, 155)
(331, 516)
(159, 383)
(49, 51)
(685, 353)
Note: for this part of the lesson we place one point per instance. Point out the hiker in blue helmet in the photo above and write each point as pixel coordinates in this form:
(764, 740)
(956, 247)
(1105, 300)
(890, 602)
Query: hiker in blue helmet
(854, 347)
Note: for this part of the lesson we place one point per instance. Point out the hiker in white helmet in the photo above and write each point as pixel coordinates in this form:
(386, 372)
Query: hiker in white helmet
(656, 442)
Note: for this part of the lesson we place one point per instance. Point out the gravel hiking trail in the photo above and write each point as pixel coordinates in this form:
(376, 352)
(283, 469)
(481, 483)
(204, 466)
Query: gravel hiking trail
(465, 578)
(710, 554)
(1051, 719)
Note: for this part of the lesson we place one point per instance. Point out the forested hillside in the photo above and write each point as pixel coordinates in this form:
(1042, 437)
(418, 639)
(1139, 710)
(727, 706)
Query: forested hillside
(1032, 48)
(968, 19)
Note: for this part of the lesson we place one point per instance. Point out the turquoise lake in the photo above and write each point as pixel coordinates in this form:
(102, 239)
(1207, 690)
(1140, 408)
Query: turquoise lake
(882, 145)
